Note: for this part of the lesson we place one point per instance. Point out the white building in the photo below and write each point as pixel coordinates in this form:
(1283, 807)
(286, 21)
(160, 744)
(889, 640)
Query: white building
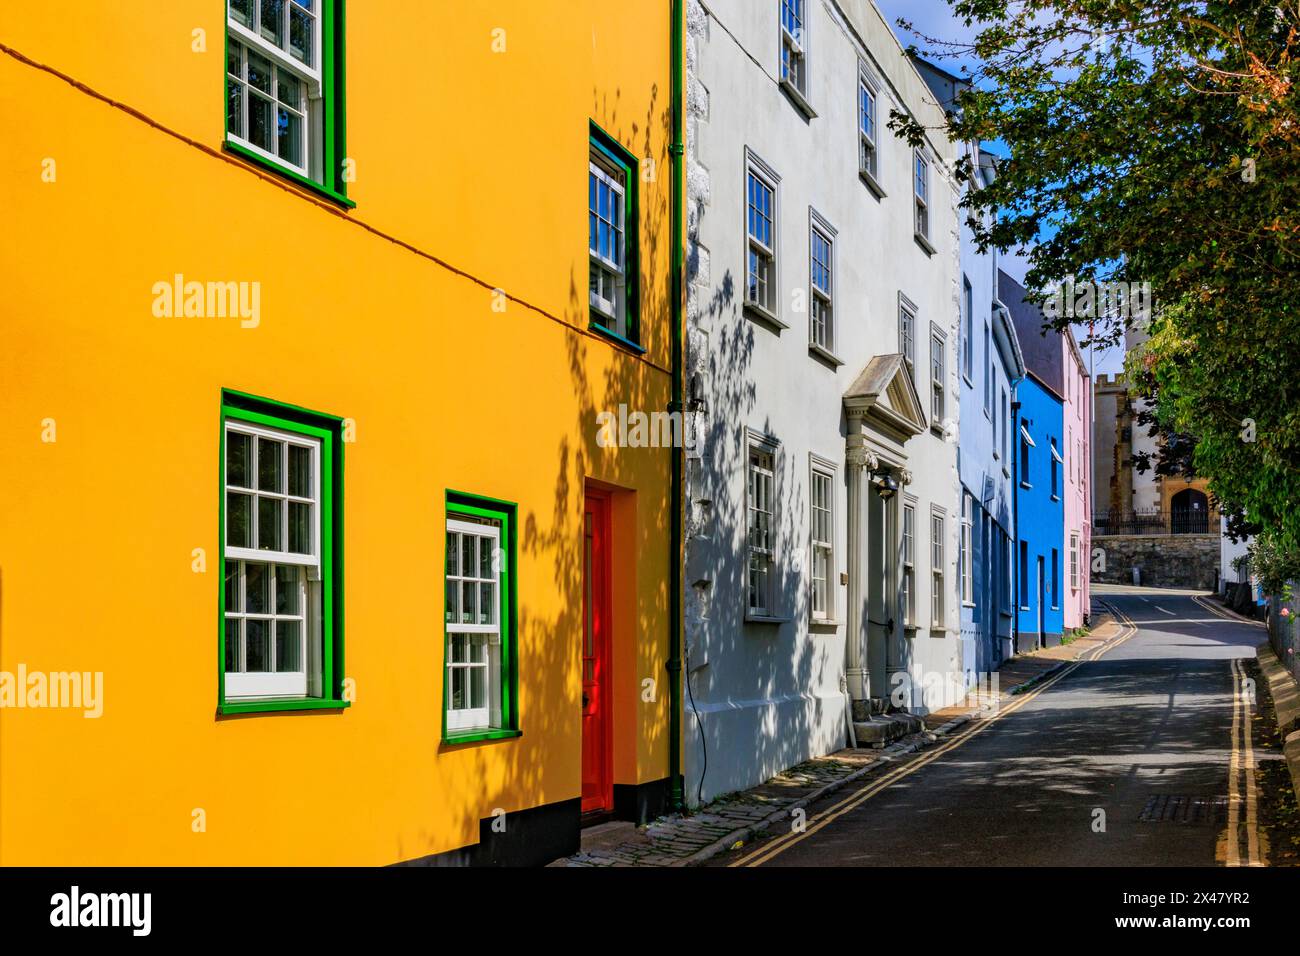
(822, 353)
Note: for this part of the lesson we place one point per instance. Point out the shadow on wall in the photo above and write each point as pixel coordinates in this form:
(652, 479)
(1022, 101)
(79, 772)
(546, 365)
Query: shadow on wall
(550, 707)
(733, 666)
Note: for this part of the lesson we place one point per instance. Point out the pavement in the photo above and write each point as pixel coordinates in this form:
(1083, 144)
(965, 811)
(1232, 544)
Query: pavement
(732, 822)
(1129, 755)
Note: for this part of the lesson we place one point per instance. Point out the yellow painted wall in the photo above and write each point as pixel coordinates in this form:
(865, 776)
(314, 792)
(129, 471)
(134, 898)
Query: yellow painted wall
(474, 158)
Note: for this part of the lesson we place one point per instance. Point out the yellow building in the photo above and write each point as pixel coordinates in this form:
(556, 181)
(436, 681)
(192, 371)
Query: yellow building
(311, 550)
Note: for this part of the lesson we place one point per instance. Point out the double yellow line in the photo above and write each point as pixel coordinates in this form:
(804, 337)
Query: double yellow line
(854, 800)
(1242, 760)
(1232, 616)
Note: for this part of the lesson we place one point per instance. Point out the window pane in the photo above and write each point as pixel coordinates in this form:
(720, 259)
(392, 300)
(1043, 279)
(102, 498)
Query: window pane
(239, 520)
(260, 123)
(273, 21)
(234, 107)
(453, 552)
(299, 527)
(300, 482)
(485, 603)
(467, 603)
(289, 135)
(268, 523)
(467, 559)
(232, 586)
(241, 11)
(269, 456)
(477, 687)
(452, 602)
(257, 588)
(457, 650)
(457, 695)
(237, 452)
(301, 31)
(256, 658)
(259, 72)
(288, 646)
(287, 586)
(232, 644)
(485, 559)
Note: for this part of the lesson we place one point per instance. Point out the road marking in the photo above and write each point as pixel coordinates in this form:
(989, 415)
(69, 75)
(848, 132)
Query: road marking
(1159, 608)
(1226, 615)
(860, 796)
(1242, 762)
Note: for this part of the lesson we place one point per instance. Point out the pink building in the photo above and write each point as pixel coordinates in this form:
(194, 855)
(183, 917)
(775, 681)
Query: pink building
(1078, 471)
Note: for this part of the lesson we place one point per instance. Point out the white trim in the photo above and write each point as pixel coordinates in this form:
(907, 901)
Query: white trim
(1024, 434)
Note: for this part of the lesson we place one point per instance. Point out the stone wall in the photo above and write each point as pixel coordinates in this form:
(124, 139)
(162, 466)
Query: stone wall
(1166, 560)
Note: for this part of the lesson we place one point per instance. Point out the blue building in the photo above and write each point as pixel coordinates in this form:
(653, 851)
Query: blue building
(990, 365)
(1038, 459)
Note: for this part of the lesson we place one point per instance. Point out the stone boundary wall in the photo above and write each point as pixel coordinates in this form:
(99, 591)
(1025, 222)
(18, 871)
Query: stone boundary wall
(1164, 560)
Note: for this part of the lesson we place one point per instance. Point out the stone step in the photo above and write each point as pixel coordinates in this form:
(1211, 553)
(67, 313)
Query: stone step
(882, 730)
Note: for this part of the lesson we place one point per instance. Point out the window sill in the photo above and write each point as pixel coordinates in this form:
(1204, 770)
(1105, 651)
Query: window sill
(798, 99)
(909, 630)
(826, 355)
(969, 381)
(1027, 486)
(1056, 497)
(938, 629)
(617, 339)
(970, 604)
(872, 183)
(281, 705)
(765, 619)
(937, 428)
(293, 176)
(760, 314)
(478, 736)
(823, 622)
(924, 243)
(1007, 614)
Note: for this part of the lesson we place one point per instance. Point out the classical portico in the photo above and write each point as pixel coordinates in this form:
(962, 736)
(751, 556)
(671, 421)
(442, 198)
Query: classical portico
(883, 411)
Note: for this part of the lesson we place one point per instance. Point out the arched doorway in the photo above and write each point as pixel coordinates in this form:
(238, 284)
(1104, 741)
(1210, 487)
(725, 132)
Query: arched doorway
(1189, 512)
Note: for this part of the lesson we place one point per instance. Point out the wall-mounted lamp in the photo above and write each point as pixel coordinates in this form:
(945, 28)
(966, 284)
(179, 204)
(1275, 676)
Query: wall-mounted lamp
(886, 486)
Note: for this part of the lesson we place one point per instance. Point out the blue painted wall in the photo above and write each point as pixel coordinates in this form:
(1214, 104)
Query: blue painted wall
(1041, 516)
(989, 366)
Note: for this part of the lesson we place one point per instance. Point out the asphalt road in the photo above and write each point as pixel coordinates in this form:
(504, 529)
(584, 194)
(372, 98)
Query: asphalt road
(1151, 718)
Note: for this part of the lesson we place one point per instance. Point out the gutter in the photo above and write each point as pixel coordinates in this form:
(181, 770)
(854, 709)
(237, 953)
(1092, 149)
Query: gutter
(1015, 509)
(677, 311)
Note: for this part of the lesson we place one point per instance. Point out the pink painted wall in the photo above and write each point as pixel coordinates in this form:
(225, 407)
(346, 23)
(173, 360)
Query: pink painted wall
(1078, 475)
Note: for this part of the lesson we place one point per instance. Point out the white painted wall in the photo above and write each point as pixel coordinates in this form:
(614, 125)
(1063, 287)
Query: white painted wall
(770, 695)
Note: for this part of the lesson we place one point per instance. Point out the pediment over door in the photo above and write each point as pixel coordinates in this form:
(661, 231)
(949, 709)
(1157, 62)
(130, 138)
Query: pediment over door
(884, 397)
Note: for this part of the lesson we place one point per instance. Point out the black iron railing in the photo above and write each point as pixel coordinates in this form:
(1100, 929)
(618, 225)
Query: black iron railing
(1192, 521)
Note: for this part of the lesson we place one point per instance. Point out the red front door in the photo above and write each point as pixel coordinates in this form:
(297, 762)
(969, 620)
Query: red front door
(596, 699)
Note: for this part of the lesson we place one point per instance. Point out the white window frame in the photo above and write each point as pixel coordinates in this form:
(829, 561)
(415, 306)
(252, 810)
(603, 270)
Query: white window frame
(615, 311)
(821, 298)
(868, 114)
(795, 45)
(938, 554)
(760, 535)
(822, 563)
(488, 716)
(938, 373)
(967, 566)
(921, 192)
(907, 319)
(245, 685)
(281, 59)
(967, 328)
(988, 369)
(1074, 561)
(761, 173)
(909, 564)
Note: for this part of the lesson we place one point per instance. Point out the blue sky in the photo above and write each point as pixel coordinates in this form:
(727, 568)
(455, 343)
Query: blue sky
(934, 18)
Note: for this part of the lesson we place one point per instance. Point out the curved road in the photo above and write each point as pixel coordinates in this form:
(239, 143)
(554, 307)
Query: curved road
(1146, 730)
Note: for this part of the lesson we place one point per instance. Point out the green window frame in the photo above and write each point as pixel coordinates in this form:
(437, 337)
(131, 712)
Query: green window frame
(327, 132)
(327, 430)
(461, 506)
(610, 153)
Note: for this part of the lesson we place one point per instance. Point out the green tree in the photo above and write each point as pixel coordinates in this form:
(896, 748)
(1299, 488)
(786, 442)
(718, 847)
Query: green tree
(1159, 142)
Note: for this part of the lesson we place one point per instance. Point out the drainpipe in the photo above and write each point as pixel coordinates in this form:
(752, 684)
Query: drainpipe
(1015, 510)
(677, 293)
